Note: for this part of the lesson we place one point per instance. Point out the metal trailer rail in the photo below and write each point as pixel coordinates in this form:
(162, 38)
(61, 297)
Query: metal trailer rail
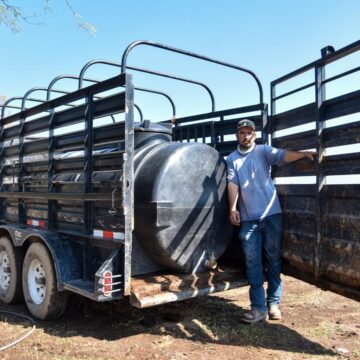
(212, 132)
(169, 76)
(22, 107)
(27, 194)
(55, 188)
(50, 89)
(328, 227)
(14, 107)
(191, 54)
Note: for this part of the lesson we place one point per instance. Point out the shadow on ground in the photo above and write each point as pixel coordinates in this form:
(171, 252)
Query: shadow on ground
(206, 320)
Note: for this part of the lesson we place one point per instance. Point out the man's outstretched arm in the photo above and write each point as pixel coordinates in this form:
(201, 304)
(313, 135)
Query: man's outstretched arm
(291, 156)
(233, 192)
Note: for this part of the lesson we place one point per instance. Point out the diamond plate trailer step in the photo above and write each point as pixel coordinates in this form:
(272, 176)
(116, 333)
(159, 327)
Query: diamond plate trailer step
(147, 291)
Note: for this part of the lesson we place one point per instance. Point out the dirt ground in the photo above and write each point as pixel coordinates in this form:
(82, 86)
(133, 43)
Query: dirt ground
(316, 325)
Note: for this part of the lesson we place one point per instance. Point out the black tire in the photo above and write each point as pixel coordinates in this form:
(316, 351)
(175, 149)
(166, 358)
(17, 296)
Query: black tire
(42, 297)
(11, 260)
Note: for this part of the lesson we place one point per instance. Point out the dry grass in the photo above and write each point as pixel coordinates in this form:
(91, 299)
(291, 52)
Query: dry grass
(315, 325)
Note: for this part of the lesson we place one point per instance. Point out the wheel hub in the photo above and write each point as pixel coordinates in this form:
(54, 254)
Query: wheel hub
(37, 282)
(5, 272)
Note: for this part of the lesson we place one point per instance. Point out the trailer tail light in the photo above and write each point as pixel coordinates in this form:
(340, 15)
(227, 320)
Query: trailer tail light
(107, 281)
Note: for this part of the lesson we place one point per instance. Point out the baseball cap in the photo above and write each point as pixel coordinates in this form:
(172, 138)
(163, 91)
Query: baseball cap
(245, 122)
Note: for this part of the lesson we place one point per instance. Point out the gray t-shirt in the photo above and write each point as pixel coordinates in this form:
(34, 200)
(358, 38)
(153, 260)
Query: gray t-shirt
(252, 173)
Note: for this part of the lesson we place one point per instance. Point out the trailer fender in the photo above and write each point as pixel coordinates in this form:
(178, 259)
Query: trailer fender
(66, 254)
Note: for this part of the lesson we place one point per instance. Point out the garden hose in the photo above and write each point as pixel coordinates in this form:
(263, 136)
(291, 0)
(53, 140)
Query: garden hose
(23, 337)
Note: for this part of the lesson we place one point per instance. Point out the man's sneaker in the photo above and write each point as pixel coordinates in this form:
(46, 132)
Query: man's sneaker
(274, 312)
(253, 316)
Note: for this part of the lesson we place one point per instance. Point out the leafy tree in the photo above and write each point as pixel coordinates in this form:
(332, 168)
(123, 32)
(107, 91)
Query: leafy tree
(13, 16)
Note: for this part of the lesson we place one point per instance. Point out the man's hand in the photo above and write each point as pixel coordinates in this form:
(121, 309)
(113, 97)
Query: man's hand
(235, 217)
(291, 156)
(311, 155)
(233, 192)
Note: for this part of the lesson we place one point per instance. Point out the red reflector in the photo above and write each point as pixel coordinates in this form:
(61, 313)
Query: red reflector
(107, 283)
(108, 234)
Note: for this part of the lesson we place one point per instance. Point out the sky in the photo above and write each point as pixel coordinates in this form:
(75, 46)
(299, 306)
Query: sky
(271, 38)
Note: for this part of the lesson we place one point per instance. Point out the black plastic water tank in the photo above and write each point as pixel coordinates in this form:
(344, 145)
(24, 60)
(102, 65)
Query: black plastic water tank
(181, 215)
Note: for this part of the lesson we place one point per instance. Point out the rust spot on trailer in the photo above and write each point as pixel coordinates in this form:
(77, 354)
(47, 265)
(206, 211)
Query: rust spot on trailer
(154, 290)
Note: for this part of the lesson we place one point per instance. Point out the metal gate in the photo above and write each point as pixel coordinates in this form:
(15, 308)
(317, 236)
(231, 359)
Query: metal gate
(321, 202)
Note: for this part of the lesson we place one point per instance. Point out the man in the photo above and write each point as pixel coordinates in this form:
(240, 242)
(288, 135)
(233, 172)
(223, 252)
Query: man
(251, 190)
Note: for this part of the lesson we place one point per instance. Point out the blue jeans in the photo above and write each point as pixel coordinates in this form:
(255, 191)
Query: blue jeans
(261, 243)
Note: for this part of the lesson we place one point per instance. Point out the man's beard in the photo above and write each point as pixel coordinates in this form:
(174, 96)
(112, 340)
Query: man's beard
(245, 150)
(245, 146)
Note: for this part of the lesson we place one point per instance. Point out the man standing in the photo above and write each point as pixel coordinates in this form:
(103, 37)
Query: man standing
(251, 190)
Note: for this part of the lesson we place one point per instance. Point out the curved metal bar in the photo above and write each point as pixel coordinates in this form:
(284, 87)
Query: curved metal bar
(38, 89)
(7, 102)
(11, 107)
(105, 62)
(160, 93)
(184, 52)
(170, 76)
(67, 76)
(140, 112)
(60, 77)
(52, 83)
(87, 65)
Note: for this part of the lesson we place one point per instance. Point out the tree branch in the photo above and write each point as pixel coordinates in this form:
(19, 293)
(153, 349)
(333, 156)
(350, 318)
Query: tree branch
(13, 16)
(89, 27)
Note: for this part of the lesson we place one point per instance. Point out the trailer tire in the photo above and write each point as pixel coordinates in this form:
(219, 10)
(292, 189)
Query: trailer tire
(11, 260)
(42, 297)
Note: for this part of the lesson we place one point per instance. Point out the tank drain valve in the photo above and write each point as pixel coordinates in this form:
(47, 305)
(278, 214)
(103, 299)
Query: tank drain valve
(211, 262)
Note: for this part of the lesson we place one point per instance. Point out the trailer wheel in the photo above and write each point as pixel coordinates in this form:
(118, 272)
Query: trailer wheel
(42, 298)
(11, 260)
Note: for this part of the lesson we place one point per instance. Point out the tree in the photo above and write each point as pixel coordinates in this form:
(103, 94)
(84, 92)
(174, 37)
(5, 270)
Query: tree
(13, 16)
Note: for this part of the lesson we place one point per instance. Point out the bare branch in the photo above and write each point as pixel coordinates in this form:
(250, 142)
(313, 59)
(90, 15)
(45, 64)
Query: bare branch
(89, 27)
(11, 16)
(47, 8)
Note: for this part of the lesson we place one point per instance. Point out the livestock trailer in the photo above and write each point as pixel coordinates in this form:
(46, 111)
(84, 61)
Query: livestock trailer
(95, 203)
